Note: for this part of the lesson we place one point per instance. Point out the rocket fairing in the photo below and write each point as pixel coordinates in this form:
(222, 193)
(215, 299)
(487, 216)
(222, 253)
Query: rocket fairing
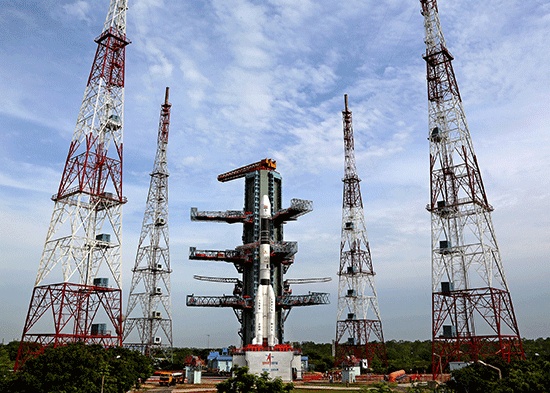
(264, 307)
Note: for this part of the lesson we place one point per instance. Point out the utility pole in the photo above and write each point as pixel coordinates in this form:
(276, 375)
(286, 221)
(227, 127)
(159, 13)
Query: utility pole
(151, 273)
(82, 248)
(356, 290)
(472, 312)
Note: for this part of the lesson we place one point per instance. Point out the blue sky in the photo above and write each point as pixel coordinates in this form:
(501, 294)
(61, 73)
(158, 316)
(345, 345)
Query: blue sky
(251, 79)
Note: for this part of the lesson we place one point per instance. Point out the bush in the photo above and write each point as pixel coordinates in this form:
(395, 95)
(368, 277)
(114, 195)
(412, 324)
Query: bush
(244, 382)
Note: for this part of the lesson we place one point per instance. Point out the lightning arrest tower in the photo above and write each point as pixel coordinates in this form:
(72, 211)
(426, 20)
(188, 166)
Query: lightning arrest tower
(151, 274)
(356, 290)
(472, 312)
(84, 237)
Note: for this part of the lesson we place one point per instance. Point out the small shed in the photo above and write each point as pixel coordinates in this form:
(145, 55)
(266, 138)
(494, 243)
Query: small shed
(222, 362)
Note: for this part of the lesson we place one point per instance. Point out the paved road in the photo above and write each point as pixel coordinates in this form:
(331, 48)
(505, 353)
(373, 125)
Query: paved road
(179, 389)
(208, 385)
(161, 389)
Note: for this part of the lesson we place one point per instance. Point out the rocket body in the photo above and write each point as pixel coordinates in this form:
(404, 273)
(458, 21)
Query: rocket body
(264, 307)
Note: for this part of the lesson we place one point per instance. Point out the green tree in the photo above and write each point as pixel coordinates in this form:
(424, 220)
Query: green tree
(6, 367)
(521, 376)
(244, 382)
(319, 355)
(179, 356)
(537, 347)
(12, 349)
(127, 368)
(527, 376)
(81, 368)
(411, 356)
(474, 378)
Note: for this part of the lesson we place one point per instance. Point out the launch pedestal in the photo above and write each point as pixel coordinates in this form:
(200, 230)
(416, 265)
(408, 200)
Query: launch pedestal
(282, 361)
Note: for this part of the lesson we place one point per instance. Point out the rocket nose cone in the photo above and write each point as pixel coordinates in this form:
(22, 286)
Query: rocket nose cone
(265, 211)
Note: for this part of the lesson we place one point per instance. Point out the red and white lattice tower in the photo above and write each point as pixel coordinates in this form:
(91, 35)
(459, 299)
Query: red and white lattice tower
(78, 282)
(472, 313)
(151, 274)
(358, 331)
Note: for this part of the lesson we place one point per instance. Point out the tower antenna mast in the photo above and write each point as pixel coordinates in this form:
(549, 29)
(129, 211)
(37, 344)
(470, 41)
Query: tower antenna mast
(84, 237)
(472, 312)
(356, 290)
(151, 273)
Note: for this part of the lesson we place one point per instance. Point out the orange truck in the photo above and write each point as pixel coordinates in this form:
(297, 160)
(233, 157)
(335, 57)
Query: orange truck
(168, 378)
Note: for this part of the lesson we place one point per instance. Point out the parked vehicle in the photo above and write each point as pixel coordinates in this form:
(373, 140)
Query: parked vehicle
(168, 378)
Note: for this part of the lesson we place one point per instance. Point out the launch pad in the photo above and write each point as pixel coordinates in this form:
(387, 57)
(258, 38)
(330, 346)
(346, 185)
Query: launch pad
(280, 362)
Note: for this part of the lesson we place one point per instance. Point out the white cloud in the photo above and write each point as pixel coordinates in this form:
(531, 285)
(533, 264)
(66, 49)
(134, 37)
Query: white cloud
(79, 11)
(242, 27)
(192, 73)
(294, 13)
(26, 176)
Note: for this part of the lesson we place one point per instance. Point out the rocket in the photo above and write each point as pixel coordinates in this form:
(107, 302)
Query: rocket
(264, 307)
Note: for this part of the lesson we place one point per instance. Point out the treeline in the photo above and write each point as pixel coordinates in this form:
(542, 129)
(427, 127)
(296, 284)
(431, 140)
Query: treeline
(180, 355)
(118, 369)
(411, 356)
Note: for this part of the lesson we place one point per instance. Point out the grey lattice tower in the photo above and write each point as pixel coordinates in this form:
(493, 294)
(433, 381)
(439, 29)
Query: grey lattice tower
(473, 315)
(72, 291)
(260, 179)
(149, 311)
(358, 327)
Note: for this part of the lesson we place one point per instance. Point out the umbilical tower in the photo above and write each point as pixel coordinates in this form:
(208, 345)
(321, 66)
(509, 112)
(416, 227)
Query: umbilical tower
(261, 179)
